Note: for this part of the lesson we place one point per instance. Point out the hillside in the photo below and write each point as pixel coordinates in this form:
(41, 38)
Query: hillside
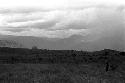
(10, 43)
(74, 42)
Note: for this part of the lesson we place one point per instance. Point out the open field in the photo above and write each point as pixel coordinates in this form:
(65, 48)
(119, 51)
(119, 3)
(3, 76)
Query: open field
(19, 65)
(59, 73)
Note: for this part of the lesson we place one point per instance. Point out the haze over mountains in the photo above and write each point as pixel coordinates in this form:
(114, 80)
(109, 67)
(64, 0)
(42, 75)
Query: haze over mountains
(74, 42)
(10, 43)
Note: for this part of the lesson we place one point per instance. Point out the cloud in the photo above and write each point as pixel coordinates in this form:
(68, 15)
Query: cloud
(92, 22)
(45, 33)
(16, 30)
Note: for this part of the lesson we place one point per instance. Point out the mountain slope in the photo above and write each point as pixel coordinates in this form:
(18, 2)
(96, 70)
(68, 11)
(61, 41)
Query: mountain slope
(46, 43)
(10, 43)
(111, 42)
(75, 42)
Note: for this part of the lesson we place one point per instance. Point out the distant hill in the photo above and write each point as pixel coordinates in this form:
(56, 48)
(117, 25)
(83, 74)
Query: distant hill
(74, 42)
(46, 43)
(10, 43)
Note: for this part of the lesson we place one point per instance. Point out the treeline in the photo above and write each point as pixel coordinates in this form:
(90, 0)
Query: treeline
(23, 55)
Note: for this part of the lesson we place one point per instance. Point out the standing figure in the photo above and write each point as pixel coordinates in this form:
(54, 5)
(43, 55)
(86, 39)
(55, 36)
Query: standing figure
(107, 66)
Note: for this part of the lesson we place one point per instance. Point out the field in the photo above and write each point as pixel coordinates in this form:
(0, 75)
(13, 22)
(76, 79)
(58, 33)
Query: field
(59, 73)
(19, 65)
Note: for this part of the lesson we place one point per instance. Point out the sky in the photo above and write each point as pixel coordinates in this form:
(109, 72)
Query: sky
(93, 19)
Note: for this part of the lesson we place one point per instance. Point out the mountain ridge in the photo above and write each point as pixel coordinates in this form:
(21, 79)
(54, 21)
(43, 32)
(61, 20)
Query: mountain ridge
(74, 42)
(10, 43)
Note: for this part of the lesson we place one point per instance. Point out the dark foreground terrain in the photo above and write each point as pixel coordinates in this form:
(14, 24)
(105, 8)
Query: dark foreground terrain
(19, 65)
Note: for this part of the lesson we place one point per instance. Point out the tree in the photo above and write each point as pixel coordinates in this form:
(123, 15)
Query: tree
(34, 48)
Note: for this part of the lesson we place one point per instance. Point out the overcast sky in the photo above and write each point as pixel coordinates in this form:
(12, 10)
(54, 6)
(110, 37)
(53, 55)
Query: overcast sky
(62, 18)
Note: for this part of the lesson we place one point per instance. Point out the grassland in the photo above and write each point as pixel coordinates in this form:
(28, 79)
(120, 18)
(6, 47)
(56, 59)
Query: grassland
(59, 73)
(20, 65)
